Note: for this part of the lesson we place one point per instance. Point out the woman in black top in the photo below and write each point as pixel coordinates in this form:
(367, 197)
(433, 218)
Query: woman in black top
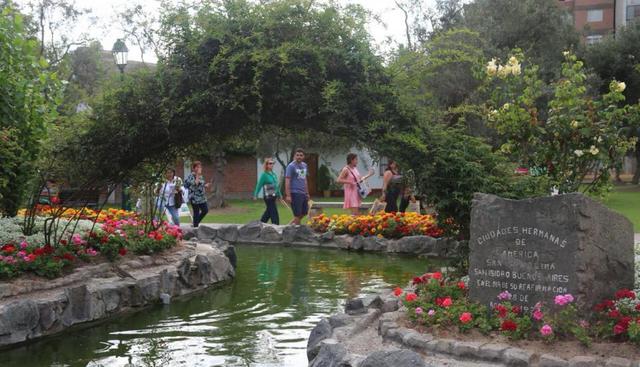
(391, 187)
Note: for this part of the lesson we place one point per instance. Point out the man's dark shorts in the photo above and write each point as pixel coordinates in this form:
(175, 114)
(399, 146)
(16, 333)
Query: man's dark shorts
(299, 204)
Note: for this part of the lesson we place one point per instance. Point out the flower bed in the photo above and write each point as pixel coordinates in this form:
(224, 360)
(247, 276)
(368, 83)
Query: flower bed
(387, 225)
(117, 233)
(83, 213)
(443, 303)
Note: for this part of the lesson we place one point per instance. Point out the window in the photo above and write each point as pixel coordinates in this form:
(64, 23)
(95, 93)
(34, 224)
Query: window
(633, 12)
(594, 15)
(595, 38)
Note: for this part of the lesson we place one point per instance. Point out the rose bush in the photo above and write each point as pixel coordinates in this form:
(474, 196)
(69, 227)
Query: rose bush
(437, 302)
(117, 233)
(381, 224)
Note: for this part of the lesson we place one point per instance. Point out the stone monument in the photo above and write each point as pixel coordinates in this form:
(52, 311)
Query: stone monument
(542, 247)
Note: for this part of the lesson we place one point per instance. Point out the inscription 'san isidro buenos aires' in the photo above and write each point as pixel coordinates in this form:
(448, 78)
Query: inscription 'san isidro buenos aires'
(519, 260)
(515, 230)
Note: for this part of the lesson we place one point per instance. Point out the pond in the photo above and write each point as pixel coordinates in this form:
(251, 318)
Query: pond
(262, 318)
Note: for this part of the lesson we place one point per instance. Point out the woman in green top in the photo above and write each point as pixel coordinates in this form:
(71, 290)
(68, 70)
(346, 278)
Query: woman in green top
(268, 183)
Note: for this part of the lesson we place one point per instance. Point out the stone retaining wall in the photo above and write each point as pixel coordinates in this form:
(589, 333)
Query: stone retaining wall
(31, 308)
(303, 236)
(327, 344)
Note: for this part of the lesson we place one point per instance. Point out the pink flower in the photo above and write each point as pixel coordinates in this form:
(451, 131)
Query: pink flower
(562, 300)
(92, 252)
(419, 311)
(431, 312)
(23, 245)
(76, 239)
(504, 296)
(546, 330)
(537, 315)
(465, 317)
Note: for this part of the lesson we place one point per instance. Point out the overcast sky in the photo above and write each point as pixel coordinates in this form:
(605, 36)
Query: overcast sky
(107, 33)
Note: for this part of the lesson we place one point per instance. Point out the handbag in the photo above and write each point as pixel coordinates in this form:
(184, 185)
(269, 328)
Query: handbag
(177, 199)
(363, 190)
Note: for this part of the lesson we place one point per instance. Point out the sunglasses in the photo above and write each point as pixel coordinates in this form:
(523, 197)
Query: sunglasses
(269, 163)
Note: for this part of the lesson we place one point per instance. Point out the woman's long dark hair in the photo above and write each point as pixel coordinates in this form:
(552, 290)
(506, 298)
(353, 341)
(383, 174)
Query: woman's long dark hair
(389, 163)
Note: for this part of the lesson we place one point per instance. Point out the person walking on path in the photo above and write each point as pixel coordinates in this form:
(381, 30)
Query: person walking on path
(168, 191)
(196, 185)
(268, 183)
(391, 187)
(296, 187)
(351, 180)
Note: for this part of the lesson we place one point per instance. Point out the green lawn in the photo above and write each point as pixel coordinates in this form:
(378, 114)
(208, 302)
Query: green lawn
(624, 199)
(245, 211)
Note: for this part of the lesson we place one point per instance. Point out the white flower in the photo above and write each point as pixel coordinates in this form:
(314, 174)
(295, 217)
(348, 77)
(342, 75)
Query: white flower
(574, 124)
(593, 150)
(506, 106)
(566, 53)
(504, 71)
(578, 152)
(622, 86)
(599, 139)
(492, 67)
(516, 69)
(513, 61)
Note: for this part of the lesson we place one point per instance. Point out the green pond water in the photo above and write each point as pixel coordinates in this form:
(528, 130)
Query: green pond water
(262, 318)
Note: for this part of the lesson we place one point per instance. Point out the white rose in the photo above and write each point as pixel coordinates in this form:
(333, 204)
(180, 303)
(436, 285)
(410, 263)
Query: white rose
(622, 86)
(492, 67)
(593, 150)
(566, 53)
(578, 152)
(516, 69)
(504, 71)
(513, 61)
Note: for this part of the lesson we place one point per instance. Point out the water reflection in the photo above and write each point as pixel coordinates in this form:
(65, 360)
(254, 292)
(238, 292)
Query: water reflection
(260, 319)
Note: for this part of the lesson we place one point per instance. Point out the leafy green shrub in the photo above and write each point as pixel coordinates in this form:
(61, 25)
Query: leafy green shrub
(324, 178)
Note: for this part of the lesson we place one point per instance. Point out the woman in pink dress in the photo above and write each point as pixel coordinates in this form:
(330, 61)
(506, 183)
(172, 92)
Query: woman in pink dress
(350, 178)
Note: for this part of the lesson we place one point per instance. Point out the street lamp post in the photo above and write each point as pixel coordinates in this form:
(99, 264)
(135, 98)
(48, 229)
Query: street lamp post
(120, 53)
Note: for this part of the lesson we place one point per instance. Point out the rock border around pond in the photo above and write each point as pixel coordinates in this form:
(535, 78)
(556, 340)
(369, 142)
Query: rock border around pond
(302, 236)
(327, 343)
(35, 308)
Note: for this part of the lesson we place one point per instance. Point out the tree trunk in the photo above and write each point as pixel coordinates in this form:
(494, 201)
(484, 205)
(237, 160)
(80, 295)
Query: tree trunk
(636, 175)
(216, 198)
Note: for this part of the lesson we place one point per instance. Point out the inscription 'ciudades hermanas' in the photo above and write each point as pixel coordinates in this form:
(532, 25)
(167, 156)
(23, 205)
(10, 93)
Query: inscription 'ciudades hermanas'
(518, 230)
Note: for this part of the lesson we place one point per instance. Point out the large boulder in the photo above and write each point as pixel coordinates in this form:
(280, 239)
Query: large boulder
(206, 232)
(270, 234)
(413, 245)
(331, 354)
(228, 233)
(250, 231)
(543, 247)
(320, 332)
(298, 234)
(17, 320)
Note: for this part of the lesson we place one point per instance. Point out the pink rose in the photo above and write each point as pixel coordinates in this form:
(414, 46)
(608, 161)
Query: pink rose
(504, 296)
(465, 317)
(419, 311)
(546, 330)
(537, 315)
(431, 312)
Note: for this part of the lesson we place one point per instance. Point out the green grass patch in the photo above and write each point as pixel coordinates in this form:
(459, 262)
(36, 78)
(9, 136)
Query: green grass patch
(625, 199)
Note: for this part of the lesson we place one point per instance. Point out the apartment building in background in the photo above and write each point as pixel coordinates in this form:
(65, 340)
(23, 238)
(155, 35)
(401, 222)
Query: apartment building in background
(597, 18)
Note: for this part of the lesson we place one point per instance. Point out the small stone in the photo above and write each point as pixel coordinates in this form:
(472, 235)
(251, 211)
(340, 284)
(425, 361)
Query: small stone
(354, 307)
(390, 304)
(372, 301)
(618, 362)
(548, 360)
(517, 357)
(166, 298)
(440, 345)
(583, 361)
(492, 352)
(395, 358)
(465, 349)
(417, 340)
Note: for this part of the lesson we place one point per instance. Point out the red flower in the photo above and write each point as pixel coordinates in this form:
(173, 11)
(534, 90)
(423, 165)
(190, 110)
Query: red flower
(68, 256)
(614, 314)
(8, 249)
(502, 311)
(437, 275)
(92, 234)
(104, 239)
(625, 293)
(417, 280)
(39, 251)
(515, 309)
(63, 242)
(446, 302)
(397, 292)
(604, 305)
(48, 249)
(461, 285)
(159, 237)
(122, 251)
(410, 297)
(465, 317)
(508, 325)
(619, 329)
(638, 307)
